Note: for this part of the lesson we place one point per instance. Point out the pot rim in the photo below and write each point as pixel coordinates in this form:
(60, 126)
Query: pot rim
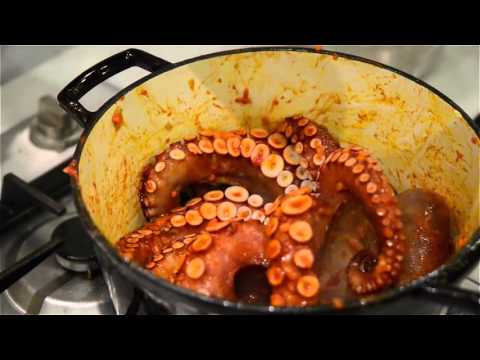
(449, 272)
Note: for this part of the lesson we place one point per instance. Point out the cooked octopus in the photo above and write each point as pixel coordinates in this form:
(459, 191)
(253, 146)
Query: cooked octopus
(285, 208)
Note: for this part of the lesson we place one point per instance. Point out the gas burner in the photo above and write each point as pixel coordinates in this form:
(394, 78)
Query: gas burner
(50, 288)
(76, 252)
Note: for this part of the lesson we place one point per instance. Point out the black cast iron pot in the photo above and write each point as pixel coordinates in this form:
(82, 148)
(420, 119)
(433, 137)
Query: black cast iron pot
(332, 88)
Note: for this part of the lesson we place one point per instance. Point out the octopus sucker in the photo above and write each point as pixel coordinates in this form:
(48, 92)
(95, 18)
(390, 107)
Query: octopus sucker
(276, 205)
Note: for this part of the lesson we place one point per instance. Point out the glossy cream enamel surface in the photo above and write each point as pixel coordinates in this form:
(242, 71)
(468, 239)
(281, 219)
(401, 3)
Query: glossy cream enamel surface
(419, 139)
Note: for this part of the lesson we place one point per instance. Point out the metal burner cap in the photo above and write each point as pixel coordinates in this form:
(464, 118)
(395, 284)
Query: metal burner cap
(76, 252)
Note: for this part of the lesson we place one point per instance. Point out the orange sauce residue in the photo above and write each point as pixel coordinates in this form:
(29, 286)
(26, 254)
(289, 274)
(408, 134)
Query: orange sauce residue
(191, 84)
(338, 303)
(459, 156)
(318, 47)
(245, 99)
(117, 117)
(144, 92)
(461, 242)
(71, 170)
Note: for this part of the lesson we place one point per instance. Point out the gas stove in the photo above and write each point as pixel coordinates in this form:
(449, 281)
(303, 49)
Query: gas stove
(39, 221)
(60, 273)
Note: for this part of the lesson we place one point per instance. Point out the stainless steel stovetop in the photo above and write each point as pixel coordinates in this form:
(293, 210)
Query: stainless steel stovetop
(36, 136)
(49, 288)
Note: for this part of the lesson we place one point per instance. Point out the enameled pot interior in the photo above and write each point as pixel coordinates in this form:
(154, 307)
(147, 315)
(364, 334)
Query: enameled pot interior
(419, 139)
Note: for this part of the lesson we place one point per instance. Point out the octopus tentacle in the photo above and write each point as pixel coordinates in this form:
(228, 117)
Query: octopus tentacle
(354, 169)
(426, 220)
(204, 244)
(298, 232)
(349, 233)
(221, 157)
(267, 163)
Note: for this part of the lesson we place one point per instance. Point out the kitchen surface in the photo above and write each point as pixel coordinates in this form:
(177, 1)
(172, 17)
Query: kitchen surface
(36, 136)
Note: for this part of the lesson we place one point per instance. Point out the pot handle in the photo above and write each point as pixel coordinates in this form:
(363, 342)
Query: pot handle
(69, 97)
(452, 296)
